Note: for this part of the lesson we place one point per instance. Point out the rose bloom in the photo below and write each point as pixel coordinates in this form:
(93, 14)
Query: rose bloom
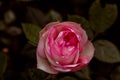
(63, 47)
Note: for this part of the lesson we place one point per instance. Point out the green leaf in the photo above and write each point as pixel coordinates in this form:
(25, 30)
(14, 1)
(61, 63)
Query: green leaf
(34, 44)
(102, 18)
(115, 75)
(85, 24)
(83, 74)
(68, 78)
(53, 16)
(3, 63)
(106, 51)
(35, 16)
(32, 32)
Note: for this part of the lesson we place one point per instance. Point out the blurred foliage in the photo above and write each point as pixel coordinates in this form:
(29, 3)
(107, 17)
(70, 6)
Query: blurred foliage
(21, 21)
(3, 63)
(83, 74)
(29, 50)
(115, 74)
(53, 16)
(106, 51)
(33, 74)
(35, 16)
(9, 17)
(102, 18)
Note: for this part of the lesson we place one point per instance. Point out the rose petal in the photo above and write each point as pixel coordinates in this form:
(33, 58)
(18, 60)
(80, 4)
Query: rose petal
(88, 50)
(83, 61)
(71, 65)
(85, 57)
(77, 56)
(43, 34)
(47, 27)
(55, 53)
(62, 69)
(41, 45)
(57, 60)
(44, 65)
(77, 29)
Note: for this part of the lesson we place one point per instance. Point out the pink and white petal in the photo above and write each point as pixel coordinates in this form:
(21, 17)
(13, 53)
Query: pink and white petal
(76, 56)
(43, 64)
(48, 54)
(70, 65)
(83, 61)
(43, 36)
(47, 27)
(88, 50)
(79, 67)
(57, 60)
(76, 25)
(62, 59)
(84, 37)
(80, 31)
(41, 45)
(60, 69)
(52, 61)
(77, 29)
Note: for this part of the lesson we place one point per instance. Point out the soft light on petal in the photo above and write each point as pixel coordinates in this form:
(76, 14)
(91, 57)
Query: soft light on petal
(45, 66)
(60, 69)
(88, 50)
(41, 45)
(47, 27)
(82, 62)
(75, 27)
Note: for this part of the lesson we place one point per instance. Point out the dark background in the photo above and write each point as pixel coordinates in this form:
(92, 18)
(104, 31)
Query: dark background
(18, 62)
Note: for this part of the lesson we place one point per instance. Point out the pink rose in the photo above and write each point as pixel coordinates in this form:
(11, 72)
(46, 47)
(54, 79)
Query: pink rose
(63, 47)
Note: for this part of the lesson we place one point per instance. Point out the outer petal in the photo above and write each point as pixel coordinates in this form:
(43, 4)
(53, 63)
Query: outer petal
(41, 45)
(47, 27)
(43, 64)
(62, 69)
(89, 50)
(83, 61)
(85, 57)
(43, 35)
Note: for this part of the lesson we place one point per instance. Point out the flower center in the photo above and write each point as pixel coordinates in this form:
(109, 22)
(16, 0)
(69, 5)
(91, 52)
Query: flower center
(67, 42)
(70, 39)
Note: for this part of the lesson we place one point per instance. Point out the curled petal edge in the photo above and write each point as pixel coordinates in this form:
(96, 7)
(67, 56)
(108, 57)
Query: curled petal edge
(88, 50)
(43, 64)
